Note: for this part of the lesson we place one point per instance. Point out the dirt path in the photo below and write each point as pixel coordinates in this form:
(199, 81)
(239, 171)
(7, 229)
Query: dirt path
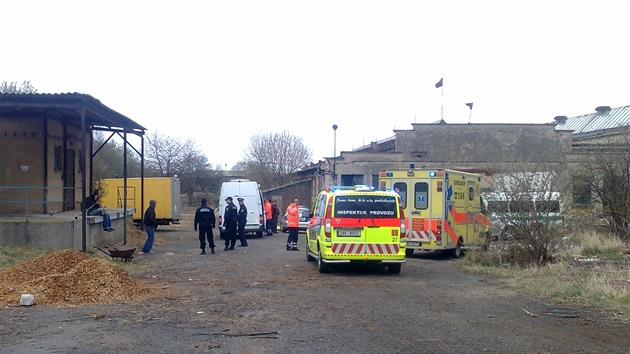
(263, 299)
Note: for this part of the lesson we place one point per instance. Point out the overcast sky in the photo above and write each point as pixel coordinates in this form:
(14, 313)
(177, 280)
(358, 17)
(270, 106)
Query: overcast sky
(218, 72)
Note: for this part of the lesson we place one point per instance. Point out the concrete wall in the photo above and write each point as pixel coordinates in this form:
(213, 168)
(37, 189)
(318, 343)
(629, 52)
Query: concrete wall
(61, 231)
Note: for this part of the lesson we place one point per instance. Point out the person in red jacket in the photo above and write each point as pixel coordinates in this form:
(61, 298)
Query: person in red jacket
(293, 222)
(268, 216)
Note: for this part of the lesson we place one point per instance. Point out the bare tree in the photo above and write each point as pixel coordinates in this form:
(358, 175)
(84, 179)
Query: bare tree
(271, 158)
(527, 211)
(109, 162)
(602, 183)
(168, 157)
(163, 154)
(12, 87)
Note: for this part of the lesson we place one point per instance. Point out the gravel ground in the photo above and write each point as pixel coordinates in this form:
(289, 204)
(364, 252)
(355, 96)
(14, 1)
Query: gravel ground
(263, 299)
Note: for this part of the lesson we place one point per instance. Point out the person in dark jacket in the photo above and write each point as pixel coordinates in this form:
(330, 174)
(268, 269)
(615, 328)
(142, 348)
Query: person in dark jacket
(93, 207)
(150, 223)
(242, 221)
(204, 217)
(275, 214)
(230, 222)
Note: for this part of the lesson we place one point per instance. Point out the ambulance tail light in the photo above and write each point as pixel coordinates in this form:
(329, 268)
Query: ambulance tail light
(327, 228)
(439, 186)
(328, 220)
(403, 225)
(438, 235)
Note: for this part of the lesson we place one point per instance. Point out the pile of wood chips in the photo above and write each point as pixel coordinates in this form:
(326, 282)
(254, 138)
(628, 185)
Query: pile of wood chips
(68, 277)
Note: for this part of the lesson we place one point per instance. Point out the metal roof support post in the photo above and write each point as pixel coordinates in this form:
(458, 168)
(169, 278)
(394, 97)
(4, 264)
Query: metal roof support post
(125, 188)
(84, 182)
(142, 182)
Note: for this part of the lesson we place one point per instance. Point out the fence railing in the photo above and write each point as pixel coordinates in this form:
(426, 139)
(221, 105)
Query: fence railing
(29, 199)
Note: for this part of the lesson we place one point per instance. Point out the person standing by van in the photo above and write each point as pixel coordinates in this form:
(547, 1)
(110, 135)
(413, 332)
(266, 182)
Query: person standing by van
(293, 222)
(204, 217)
(268, 216)
(242, 221)
(150, 224)
(275, 214)
(230, 219)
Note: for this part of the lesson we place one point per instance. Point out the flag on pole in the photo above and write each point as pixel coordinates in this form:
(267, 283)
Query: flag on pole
(469, 105)
(439, 83)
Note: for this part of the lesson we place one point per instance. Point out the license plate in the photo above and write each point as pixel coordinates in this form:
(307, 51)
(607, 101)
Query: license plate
(413, 243)
(348, 232)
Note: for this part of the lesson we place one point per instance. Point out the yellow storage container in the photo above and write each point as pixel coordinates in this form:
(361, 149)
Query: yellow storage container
(165, 190)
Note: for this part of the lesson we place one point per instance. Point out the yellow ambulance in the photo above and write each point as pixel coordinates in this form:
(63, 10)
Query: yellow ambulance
(356, 224)
(442, 208)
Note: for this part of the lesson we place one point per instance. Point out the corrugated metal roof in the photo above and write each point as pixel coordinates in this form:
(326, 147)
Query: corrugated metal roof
(595, 122)
(380, 142)
(67, 106)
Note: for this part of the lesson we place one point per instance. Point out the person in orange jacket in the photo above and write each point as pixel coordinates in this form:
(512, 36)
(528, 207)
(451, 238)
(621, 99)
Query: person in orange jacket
(268, 216)
(293, 222)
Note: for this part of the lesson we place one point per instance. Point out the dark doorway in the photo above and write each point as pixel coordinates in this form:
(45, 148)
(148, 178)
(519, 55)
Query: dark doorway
(69, 180)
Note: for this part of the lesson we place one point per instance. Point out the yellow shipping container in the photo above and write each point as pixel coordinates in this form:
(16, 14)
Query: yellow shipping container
(164, 190)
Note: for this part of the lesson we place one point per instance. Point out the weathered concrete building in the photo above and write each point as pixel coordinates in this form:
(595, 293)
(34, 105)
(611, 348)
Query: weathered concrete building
(481, 148)
(470, 147)
(45, 168)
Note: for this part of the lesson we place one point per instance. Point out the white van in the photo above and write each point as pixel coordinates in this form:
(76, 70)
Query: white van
(250, 192)
(508, 210)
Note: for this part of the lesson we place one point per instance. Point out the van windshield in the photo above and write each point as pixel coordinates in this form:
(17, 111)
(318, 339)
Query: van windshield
(365, 206)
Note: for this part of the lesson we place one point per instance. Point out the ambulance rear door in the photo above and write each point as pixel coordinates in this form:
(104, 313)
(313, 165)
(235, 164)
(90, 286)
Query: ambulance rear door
(461, 193)
(422, 211)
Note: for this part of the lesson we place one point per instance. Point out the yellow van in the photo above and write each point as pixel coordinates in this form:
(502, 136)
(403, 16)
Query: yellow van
(356, 224)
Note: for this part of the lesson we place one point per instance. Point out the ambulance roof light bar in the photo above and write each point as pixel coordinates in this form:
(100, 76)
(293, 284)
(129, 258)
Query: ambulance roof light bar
(357, 187)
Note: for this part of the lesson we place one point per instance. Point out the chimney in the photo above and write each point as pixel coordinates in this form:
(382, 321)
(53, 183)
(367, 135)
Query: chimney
(602, 109)
(560, 119)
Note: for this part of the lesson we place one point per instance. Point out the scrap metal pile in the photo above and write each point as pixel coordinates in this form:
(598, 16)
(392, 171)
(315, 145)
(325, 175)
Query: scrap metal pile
(68, 277)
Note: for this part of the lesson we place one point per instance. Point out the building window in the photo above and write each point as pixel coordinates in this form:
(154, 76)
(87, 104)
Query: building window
(375, 181)
(582, 192)
(58, 158)
(351, 180)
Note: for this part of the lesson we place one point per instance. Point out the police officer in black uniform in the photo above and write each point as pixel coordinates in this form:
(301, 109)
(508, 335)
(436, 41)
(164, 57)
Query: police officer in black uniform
(204, 217)
(230, 220)
(242, 221)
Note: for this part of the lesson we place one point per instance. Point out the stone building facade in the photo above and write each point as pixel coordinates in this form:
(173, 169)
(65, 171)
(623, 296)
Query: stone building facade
(479, 148)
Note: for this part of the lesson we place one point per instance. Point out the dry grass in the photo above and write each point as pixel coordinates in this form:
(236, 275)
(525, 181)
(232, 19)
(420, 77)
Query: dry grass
(593, 271)
(12, 255)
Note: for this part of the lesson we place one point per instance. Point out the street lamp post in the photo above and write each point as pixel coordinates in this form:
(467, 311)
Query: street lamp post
(334, 175)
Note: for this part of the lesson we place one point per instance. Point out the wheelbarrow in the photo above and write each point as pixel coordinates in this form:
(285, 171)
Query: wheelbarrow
(123, 252)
